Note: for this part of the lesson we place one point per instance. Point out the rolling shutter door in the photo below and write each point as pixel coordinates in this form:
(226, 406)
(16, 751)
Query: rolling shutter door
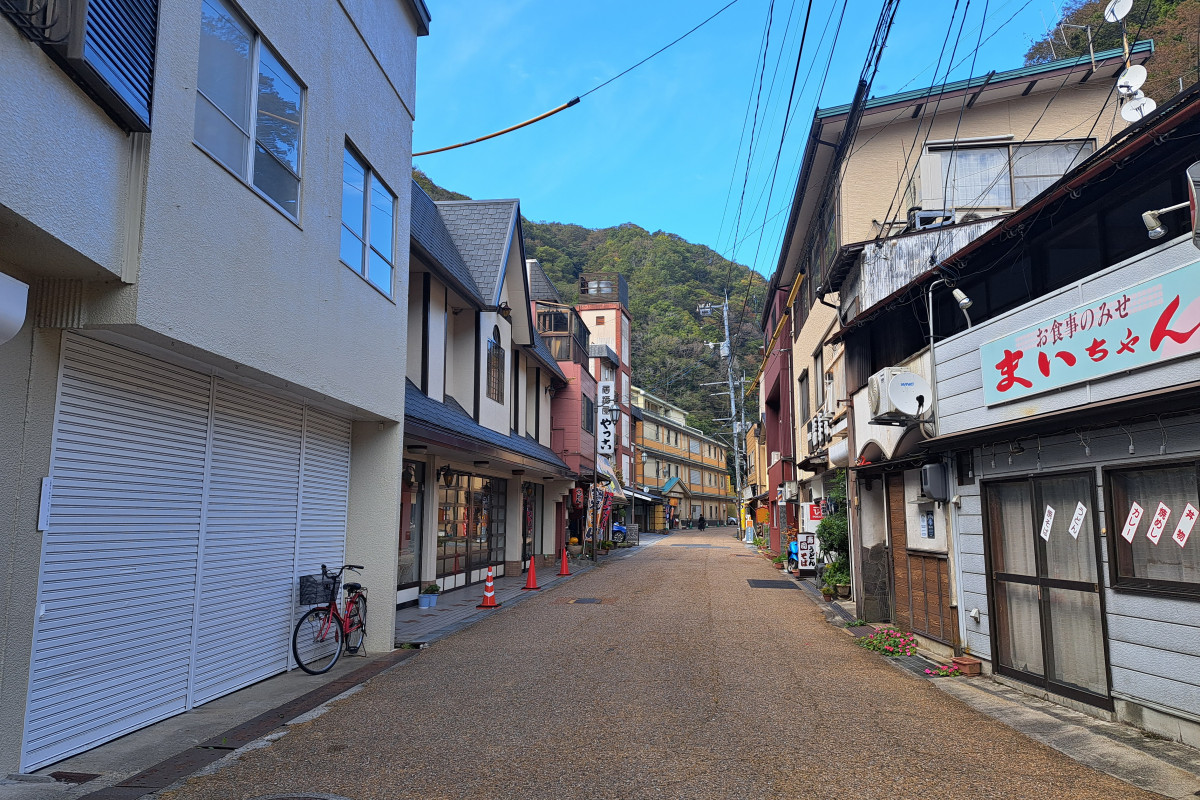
(249, 545)
(176, 497)
(325, 493)
(112, 639)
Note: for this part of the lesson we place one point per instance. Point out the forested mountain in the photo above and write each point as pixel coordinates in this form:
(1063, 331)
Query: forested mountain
(1174, 25)
(668, 278)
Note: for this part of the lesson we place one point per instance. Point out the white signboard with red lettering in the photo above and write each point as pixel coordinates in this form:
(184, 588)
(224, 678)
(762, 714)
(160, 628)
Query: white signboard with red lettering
(1146, 324)
(1131, 522)
(1159, 523)
(1184, 529)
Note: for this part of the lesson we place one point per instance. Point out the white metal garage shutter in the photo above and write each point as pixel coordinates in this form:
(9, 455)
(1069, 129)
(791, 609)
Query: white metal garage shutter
(249, 548)
(113, 634)
(325, 493)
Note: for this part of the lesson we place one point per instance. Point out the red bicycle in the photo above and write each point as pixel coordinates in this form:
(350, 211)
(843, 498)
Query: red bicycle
(325, 630)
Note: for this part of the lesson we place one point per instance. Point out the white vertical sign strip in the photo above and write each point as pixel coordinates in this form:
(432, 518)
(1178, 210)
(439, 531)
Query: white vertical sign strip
(1047, 521)
(1131, 522)
(1159, 523)
(1077, 520)
(1184, 529)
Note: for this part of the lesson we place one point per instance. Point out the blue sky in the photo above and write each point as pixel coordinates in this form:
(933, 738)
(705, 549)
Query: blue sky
(661, 146)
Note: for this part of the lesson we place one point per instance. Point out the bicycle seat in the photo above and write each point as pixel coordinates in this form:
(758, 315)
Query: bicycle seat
(351, 588)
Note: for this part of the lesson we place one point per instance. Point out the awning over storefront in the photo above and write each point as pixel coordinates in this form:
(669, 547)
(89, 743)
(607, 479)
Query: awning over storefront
(639, 495)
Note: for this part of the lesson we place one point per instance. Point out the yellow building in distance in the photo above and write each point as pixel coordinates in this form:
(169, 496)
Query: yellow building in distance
(687, 467)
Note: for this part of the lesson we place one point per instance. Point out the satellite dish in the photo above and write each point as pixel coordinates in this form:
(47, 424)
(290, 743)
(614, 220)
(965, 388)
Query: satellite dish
(1138, 107)
(1131, 79)
(910, 393)
(1117, 10)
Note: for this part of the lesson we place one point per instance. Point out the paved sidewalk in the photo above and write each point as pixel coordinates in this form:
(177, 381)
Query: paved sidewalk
(147, 760)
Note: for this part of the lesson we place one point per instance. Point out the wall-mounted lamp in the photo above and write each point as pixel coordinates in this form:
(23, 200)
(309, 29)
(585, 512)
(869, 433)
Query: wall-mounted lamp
(1155, 229)
(447, 475)
(505, 310)
(964, 302)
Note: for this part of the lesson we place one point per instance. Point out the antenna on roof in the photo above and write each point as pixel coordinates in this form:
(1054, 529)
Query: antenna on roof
(1117, 11)
(1131, 79)
(1138, 107)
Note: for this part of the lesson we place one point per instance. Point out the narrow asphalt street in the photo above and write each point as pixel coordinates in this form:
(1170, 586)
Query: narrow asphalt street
(683, 681)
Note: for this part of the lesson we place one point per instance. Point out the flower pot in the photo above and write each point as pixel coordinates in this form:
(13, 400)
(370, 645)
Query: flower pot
(828, 597)
(967, 665)
(843, 590)
(575, 549)
(426, 600)
(779, 566)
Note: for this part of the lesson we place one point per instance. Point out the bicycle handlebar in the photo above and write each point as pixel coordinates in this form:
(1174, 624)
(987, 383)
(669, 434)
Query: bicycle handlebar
(325, 573)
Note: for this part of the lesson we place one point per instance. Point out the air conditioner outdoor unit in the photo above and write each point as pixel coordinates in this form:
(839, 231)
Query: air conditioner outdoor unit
(774, 456)
(791, 490)
(898, 396)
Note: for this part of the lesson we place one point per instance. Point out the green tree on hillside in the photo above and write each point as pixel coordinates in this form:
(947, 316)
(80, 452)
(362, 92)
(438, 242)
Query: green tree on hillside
(1171, 24)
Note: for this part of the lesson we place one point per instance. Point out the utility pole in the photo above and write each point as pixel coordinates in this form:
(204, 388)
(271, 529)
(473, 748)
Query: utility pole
(727, 354)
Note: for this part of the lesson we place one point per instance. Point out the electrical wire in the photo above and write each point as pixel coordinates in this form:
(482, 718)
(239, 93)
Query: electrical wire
(575, 100)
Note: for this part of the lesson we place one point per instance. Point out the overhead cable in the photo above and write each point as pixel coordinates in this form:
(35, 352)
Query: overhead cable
(575, 100)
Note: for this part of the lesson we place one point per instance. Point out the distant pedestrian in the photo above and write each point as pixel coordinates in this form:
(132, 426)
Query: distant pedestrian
(701, 524)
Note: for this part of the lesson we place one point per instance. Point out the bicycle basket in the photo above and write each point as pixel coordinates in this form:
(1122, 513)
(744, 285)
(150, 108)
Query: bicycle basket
(315, 590)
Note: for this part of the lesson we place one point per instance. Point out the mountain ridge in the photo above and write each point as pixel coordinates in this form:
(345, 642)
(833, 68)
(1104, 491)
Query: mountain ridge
(668, 279)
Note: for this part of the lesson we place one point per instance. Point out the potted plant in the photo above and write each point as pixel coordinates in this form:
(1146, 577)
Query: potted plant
(606, 545)
(779, 561)
(827, 592)
(574, 547)
(428, 596)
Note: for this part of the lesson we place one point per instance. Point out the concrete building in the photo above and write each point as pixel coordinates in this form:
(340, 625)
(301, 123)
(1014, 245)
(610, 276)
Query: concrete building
(483, 489)
(1067, 435)
(203, 395)
(953, 161)
(683, 466)
(603, 305)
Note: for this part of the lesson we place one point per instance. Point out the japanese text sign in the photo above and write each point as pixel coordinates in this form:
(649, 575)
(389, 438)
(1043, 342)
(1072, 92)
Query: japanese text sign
(606, 392)
(1159, 523)
(1153, 321)
(1180, 536)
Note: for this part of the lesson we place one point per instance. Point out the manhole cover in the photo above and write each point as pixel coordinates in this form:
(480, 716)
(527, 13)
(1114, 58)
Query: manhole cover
(586, 600)
(301, 797)
(760, 583)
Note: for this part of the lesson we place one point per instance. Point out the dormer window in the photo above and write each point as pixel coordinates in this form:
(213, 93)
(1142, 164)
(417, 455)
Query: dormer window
(495, 367)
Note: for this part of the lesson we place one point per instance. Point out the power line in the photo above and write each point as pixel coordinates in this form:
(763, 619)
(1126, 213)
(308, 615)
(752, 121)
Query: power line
(575, 100)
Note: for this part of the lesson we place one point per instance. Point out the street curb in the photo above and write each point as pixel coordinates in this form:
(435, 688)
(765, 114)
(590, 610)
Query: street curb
(192, 760)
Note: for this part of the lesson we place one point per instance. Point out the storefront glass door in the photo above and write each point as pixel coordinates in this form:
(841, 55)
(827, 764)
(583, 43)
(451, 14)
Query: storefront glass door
(1047, 619)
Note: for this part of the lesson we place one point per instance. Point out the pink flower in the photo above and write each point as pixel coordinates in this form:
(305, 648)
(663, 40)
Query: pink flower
(928, 672)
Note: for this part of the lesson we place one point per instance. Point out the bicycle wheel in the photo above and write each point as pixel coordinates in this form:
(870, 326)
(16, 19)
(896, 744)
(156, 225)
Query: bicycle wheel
(356, 618)
(317, 641)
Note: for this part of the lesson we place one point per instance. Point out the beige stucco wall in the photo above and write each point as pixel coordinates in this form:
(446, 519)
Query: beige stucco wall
(813, 332)
(877, 164)
(220, 275)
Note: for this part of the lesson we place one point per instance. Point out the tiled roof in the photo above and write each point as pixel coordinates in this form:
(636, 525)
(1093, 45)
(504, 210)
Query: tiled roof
(428, 229)
(452, 418)
(547, 358)
(540, 287)
(480, 230)
(603, 351)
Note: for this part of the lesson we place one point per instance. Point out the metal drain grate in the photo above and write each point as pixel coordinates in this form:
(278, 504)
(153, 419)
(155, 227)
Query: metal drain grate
(74, 777)
(761, 583)
(560, 601)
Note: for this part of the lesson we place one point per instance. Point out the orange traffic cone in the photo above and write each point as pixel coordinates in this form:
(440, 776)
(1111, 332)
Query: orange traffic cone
(531, 581)
(563, 569)
(489, 593)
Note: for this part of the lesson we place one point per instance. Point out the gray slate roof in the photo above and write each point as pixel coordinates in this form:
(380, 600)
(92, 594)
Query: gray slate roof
(540, 287)
(480, 230)
(429, 231)
(452, 418)
(603, 351)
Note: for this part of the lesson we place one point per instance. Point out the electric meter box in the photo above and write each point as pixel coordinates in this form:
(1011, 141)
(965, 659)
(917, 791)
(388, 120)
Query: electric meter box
(934, 483)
